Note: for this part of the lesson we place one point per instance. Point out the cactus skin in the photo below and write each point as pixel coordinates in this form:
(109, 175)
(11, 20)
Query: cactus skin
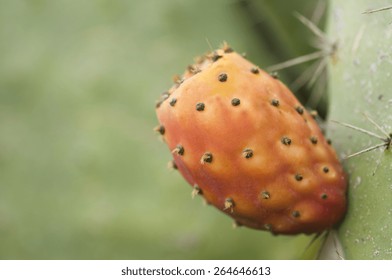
(244, 142)
(360, 82)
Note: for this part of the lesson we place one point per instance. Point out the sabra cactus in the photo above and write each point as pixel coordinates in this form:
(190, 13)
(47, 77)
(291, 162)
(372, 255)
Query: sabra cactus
(360, 88)
(359, 116)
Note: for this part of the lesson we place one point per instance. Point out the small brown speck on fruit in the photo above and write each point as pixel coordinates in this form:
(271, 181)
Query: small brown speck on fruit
(298, 177)
(196, 190)
(255, 70)
(286, 140)
(172, 165)
(313, 139)
(275, 102)
(295, 214)
(274, 75)
(165, 95)
(229, 204)
(177, 79)
(222, 77)
(324, 196)
(299, 109)
(206, 158)
(200, 106)
(179, 149)
(265, 195)
(173, 102)
(236, 224)
(215, 56)
(247, 153)
(158, 104)
(193, 69)
(226, 48)
(160, 129)
(329, 141)
(179, 82)
(325, 169)
(235, 102)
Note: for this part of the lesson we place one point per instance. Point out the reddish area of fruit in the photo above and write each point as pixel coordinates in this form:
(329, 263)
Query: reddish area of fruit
(244, 142)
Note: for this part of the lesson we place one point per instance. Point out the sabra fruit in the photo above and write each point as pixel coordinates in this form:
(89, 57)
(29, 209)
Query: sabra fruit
(244, 142)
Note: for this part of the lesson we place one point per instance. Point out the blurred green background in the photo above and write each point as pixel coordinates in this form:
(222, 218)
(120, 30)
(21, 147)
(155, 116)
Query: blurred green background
(82, 175)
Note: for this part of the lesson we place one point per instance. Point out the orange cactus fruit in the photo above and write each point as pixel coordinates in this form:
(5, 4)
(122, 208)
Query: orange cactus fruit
(245, 143)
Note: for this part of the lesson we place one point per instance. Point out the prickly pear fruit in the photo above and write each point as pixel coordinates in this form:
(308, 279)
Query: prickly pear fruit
(245, 143)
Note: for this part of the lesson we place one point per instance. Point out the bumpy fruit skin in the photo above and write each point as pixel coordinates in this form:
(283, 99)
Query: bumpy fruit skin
(246, 144)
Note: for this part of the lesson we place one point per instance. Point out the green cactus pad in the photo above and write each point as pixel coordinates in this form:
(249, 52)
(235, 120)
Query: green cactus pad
(360, 84)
